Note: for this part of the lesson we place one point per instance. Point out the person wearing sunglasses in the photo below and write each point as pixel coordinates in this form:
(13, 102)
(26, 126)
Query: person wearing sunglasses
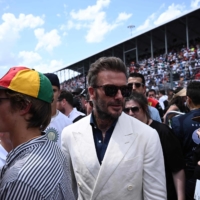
(137, 82)
(108, 151)
(137, 106)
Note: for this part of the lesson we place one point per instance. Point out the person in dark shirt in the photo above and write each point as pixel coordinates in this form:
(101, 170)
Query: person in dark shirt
(197, 162)
(137, 106)
(185, 129)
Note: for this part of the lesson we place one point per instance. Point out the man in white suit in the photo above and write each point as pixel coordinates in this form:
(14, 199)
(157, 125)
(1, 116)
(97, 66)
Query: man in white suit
(112, 155)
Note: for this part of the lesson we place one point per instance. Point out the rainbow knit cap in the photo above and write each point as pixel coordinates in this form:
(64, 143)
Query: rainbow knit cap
(29, 82)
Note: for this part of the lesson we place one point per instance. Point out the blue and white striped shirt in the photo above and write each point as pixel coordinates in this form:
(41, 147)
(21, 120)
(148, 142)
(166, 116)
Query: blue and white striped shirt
(36, 170)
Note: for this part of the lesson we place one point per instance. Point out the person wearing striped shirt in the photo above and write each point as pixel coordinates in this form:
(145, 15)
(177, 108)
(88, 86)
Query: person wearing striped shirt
(36, 168)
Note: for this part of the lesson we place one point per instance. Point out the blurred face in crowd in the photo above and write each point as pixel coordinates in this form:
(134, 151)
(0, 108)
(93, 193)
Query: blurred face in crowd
(104, 106)
(82, 100)
(88, 106)
(151, 94)
(61, 105)
(159, 95)
(137, 84)
(170, 94)
(133, 109)
(56, 93)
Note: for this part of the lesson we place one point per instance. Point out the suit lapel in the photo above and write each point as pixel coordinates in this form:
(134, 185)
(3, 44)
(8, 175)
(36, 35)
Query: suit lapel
(120, 142)
(86, 146)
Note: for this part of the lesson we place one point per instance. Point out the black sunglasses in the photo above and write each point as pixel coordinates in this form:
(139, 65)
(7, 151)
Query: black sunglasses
(111, 90)
(133, 109)
(137, 85)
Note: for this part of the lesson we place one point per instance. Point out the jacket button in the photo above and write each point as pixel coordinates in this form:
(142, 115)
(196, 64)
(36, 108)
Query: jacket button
(130, 187)
(79, 184)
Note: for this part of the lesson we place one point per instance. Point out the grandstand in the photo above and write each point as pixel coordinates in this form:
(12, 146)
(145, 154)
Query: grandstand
(168, 55)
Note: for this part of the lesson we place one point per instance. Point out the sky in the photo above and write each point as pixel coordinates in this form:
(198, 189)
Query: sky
(48, 35)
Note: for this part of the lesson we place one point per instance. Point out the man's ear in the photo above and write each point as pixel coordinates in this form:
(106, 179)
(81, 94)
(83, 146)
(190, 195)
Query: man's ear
(144, 90)
(91, 92)
(25, 108)
(189, 100)
(63, 102)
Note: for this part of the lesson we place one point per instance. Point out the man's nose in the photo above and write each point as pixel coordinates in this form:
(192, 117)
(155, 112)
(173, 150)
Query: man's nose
(133, 87)
(130, 113)
(119, 94)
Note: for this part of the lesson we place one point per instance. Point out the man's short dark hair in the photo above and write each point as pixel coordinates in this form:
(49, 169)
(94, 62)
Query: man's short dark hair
(40, 111)
(193, 91)
(67, 96)
(162, 92)
(104, 64)
(137, 75)
(152, 90)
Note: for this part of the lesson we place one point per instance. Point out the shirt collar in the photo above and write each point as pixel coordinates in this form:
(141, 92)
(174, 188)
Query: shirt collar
(93, 121)
(73, 110)
(25, 147)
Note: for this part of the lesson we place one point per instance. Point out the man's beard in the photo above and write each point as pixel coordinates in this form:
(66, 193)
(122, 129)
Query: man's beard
(101, 107)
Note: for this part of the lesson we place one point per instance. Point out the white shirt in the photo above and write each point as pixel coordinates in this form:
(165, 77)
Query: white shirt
(197, 190)
(3, 154)
(161, 101)
(74, 114)
(57, 124)
(37, 170)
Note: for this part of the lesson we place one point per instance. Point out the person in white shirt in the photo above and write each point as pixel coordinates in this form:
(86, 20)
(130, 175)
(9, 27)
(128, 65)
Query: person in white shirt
(58, 120)
(65, 105)
(163, 99)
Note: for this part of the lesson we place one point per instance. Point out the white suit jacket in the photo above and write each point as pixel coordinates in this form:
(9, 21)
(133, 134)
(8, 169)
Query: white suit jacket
(132, 168)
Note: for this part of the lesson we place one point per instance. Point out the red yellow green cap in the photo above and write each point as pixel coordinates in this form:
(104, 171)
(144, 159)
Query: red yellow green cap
(28, 81)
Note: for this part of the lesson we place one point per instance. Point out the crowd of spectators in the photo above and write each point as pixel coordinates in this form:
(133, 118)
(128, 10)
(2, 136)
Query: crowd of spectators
(73, 83)
(165, 71)
(169, 70)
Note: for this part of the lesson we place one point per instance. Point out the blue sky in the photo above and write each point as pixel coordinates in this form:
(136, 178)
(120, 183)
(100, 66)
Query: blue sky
(48, 35)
